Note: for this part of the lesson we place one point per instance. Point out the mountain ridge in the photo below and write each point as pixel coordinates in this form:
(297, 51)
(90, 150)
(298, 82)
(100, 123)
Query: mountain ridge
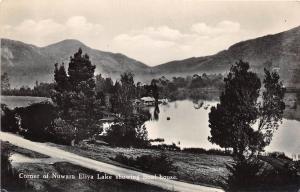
(23, 61)
(280, 50)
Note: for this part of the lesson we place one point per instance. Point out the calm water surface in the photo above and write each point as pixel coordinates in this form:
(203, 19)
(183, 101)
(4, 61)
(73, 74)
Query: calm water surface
(21, 101)
(189, 126)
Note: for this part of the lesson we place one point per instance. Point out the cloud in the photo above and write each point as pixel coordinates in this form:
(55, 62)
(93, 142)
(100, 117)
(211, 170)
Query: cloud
(163, 43)
(46, 31)
(223, 27)
(78, 25)
(152, 45)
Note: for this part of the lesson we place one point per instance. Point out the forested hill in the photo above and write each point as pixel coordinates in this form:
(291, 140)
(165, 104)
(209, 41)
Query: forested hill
(27, 63)
(280, 51)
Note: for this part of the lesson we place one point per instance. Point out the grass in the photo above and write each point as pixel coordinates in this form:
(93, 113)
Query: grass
(209, 170)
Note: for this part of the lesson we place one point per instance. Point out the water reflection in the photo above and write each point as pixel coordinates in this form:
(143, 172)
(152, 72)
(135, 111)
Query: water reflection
(156, 113)
(189, 126)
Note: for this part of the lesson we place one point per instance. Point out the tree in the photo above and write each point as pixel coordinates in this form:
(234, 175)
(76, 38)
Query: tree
(234, 120)
(128, 130)
(61, 78)
(75, 96)
(154, 90)
(124, 92)
(5, 85)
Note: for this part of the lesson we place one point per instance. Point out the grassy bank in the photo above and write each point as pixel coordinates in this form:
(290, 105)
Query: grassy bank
(201, 169)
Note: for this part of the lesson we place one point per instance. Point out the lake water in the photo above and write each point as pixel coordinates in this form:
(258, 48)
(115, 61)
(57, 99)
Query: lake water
(21, 101)
(189, 126)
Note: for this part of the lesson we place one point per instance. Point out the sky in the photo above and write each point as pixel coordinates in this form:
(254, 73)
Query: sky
(151, 31)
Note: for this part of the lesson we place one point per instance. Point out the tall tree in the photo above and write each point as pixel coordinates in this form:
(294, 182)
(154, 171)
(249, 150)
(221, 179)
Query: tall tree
(75, 95)
(234, 120)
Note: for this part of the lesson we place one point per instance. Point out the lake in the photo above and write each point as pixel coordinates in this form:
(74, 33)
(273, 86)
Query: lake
(189, 126)
(21, 101)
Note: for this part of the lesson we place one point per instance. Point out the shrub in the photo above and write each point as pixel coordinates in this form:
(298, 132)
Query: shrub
(253, 174)
(36, 119)
(8, 119)
(127, 135)
(33, 122)
(243, 175)
(154, 164)
(209, 151)
(172, 147)
(61, 132)
(280, 155)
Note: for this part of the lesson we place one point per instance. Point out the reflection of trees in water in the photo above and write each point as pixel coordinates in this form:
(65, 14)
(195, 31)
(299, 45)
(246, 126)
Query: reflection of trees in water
(156, 113)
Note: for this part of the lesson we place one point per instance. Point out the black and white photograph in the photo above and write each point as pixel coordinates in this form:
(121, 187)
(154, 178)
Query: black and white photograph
(150, 96)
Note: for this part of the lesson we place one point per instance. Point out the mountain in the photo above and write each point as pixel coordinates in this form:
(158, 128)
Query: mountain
(27, 63)
(280, 51)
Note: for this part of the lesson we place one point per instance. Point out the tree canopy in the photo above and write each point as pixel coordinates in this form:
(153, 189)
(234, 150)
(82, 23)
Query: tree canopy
(75, 95)
(245, 120)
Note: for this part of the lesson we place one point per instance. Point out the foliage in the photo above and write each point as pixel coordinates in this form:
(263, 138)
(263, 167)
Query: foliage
(233, 120)
(127, 134)
(32, 121)
(39, 90)
(271, 110)
(75, 96)
(243, 175)
(194, 87)
(128, 129)
(62, 132)
(123, 95)
(5, 85)
(8, 119)
(254, 174)
(169, 147)
(279, 155)
(36, 119)
(205, 151)
(155, 164)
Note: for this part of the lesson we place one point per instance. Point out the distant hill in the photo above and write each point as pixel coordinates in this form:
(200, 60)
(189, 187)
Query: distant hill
(27, 63)
(279, 51)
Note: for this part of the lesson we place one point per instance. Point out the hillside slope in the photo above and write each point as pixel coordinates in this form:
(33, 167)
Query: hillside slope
(27, 63)
(280, 50)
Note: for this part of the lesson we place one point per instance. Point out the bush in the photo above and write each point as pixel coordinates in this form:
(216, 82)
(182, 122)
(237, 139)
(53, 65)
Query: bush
(172, 147)
(36, 119)
(208, 152)
(33, 122)
(127, 135)
(243, 175)
(154, 164)
(8, 119)
(61, 132)
(253, 174)
(280, 155)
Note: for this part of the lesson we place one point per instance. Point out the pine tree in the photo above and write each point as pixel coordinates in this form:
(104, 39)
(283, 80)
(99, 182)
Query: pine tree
(75, 96)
